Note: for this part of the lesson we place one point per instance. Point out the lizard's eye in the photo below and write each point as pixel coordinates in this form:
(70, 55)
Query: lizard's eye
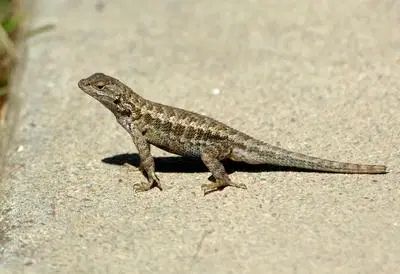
(100, 85)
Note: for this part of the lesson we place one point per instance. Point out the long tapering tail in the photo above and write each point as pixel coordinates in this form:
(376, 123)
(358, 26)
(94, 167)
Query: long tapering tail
(267, 154)
(314, 163)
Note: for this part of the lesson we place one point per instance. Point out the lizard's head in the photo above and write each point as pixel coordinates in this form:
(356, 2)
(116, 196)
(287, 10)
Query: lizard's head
(100, 86)
(106, 89)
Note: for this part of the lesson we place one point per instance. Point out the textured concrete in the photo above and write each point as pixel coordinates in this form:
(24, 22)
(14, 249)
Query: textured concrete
(319, 77)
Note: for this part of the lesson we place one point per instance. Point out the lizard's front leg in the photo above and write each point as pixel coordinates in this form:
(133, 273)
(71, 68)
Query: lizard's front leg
(147, 165)
(211, 158)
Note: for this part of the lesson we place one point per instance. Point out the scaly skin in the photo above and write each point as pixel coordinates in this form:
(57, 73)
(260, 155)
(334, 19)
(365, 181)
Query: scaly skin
(190, 134)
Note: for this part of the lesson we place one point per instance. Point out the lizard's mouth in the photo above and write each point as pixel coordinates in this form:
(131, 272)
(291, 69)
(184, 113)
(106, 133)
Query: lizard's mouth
(83, 83)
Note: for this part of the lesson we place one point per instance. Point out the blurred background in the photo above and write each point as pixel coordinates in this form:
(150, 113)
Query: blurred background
(317, 77)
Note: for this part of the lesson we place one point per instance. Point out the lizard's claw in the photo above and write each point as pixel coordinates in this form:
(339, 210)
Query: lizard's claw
(153, 181)
(145, 186)
(142, 187)
(219, 185)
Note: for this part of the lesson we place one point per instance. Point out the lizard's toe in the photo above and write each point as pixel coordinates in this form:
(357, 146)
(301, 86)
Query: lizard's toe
(219, 185)
(141, 187)
(208, 188)
(155, 181)
(238, 185)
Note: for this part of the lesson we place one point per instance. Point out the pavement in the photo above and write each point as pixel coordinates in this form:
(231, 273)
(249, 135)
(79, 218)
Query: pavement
(320, 78)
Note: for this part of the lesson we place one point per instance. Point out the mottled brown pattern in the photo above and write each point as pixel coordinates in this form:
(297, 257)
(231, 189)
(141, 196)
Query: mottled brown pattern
(166, 126)
(147, 118)
(190, 134)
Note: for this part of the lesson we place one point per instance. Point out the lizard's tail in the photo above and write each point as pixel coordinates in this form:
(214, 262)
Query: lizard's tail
(278, 156)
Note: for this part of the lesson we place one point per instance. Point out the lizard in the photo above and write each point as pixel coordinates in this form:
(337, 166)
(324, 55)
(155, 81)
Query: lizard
(190, 134)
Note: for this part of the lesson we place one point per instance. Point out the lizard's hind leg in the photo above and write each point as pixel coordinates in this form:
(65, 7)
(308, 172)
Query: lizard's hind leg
(212, 157)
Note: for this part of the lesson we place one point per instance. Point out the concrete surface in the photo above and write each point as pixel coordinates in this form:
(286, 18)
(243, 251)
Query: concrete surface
(320, 77)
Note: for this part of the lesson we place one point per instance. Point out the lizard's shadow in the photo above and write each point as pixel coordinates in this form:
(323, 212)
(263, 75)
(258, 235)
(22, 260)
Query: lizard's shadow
(177, 164)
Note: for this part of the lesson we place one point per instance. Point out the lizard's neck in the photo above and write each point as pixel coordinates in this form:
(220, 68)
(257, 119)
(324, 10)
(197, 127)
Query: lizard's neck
(130, 106)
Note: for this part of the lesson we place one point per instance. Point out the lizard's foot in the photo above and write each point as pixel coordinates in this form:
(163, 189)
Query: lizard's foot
(142, 187)
(153, 181)
(219, 185)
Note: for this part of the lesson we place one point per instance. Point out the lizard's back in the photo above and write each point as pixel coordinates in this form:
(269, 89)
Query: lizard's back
(184, 132)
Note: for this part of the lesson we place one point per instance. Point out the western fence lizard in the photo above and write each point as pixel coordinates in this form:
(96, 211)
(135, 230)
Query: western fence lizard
(190, 134)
